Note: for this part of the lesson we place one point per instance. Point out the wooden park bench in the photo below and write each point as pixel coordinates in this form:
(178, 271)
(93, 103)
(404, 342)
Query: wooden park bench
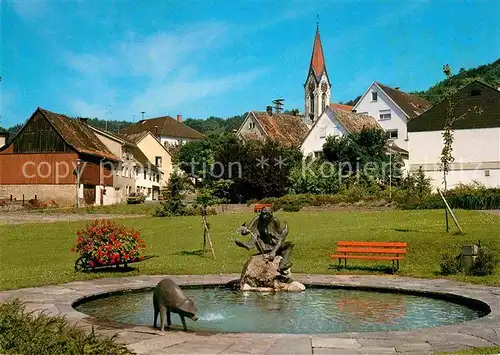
(260, 206)
(394, 251)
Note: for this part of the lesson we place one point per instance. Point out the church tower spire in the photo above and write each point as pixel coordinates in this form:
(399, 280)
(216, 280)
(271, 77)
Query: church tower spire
(317, 86)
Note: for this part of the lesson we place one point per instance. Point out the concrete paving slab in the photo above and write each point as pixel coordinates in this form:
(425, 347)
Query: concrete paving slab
(291, 346)
(338, 343)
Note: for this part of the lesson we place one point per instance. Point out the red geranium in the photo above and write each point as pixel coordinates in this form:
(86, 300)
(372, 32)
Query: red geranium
(105, 242)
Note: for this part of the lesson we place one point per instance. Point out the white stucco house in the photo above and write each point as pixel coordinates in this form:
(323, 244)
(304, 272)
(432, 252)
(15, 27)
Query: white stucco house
(169, 131)
(334, 122)
(392, 108)
(476, 147)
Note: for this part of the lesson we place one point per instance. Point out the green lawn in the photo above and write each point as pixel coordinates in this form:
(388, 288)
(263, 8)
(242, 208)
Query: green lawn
(476, 351)
(38, 254)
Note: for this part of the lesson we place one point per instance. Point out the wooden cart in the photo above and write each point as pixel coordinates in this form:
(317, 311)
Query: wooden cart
(83, 263)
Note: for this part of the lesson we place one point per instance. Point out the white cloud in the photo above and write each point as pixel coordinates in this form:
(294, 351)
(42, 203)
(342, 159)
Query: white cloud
(153, 56)
(80, 108)
(161, 69)
(91, 64)
(159, 99)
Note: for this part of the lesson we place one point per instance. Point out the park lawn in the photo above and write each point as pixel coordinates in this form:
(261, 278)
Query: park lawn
(39, 254)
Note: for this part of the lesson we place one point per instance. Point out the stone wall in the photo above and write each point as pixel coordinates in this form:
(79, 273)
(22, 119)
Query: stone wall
(64, 195)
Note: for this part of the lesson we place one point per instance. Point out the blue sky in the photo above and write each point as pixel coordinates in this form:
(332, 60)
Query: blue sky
(200, 58)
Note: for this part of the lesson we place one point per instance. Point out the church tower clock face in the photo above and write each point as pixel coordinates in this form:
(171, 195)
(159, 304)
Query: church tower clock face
(324, 87)
(311, 86)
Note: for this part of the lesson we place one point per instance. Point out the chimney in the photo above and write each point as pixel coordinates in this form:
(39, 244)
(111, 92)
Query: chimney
(397, 88)
(84, 120)
(179, 118)
(269, 110)
(156, 131)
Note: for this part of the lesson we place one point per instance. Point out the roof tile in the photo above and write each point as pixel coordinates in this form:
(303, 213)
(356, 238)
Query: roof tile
(354, 122)
(288, 130)
(78, 135)
(164, 126)
(317, 57)
(346, 108)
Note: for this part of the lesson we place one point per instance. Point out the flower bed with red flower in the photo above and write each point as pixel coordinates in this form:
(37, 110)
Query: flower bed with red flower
(106, 243)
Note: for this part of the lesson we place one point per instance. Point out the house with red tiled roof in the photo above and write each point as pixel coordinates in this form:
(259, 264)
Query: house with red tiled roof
(288, 130)
(342, 107)
(168, 130)
(55, 157)
(392, 108)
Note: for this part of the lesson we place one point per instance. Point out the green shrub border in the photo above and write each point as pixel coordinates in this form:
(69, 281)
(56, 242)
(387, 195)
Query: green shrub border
(26, 333)
(468, 199)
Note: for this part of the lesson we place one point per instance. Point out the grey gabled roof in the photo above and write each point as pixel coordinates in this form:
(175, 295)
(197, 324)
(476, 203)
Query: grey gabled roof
(476, 105)
(411, 105)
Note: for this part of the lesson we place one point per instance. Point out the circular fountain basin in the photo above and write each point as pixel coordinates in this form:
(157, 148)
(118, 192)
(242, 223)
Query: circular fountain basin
(315, 311)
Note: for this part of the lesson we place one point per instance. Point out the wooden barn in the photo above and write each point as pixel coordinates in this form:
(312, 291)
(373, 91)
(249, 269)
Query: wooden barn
(47, 157)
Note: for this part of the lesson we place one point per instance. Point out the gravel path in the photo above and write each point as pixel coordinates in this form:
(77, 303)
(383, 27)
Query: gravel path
(21, 218)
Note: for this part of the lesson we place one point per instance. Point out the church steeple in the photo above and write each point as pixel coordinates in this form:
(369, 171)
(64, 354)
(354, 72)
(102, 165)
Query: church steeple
(317, 85)
(317, 65)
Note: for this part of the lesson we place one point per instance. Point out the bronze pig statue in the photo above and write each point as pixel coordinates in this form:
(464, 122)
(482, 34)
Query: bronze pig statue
(168, 297)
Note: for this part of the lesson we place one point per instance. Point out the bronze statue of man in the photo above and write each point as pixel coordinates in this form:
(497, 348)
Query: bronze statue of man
(269, 238)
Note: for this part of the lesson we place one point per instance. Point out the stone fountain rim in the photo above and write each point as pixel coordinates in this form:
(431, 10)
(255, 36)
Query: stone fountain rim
(473, 303)
(60, 299)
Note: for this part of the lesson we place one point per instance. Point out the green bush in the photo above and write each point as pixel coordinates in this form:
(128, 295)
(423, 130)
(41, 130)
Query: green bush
(484, 264)
(468, 197)
(178, 186)
(290, 203)
(25, 333)
(450, 264)
(314, 177)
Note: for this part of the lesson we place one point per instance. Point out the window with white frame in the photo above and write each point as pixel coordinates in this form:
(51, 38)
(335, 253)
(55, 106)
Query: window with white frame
(384, 115)
(318, 154)
(363, 113)
(322, 131)
(374, 96)
(392, 133)
(251, 125)
(158, 161)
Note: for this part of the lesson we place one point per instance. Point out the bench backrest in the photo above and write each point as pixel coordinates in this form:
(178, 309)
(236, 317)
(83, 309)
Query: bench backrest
(372, 247)
(373, 244)
(261, 206)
